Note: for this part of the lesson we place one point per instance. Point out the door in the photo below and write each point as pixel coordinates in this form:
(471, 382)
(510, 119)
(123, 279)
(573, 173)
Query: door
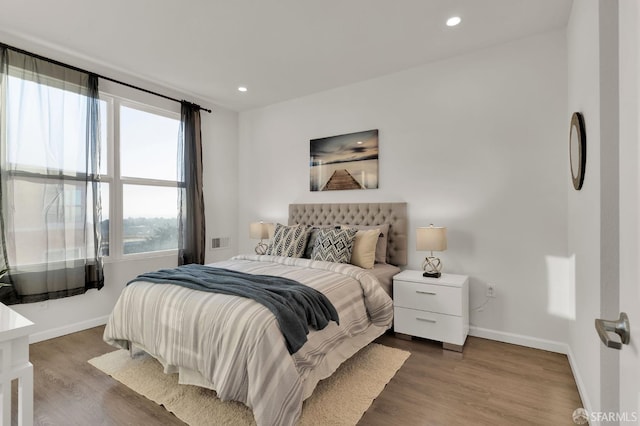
(629, 56)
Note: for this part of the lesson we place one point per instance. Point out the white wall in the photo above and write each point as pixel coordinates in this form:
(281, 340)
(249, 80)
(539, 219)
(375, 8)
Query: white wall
(220, 180)
(477, 143)
(219, 138)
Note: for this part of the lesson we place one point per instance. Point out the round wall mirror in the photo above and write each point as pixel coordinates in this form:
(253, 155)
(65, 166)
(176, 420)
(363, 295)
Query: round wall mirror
(577, 150)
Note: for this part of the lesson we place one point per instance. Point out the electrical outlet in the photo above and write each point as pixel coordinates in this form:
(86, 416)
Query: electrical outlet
(491, 290)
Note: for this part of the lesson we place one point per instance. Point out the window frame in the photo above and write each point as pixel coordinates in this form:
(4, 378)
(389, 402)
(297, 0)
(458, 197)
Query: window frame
(117, 181)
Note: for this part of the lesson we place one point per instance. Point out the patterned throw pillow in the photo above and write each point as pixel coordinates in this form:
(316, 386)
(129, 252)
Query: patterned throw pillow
(313, 235)
(289, 241)
(334, 245)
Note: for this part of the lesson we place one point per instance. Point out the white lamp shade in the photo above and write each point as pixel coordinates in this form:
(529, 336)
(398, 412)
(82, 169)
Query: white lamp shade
(431, 238)
(260, 230)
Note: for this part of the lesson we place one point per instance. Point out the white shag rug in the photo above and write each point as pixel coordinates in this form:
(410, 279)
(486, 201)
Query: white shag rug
(340, 399)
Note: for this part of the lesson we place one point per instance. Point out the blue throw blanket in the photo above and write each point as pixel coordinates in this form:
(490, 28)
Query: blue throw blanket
(295, 306)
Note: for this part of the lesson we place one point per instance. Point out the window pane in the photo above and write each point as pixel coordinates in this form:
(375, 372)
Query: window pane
(150, 218)
(52, 137)
(42, 233)
(49, 220)
(148, 145)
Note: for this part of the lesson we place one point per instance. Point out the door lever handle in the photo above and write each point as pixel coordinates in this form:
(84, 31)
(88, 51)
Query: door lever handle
(619, 326)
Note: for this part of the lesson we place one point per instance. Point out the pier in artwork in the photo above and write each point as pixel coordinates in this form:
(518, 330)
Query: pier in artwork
(341, 179)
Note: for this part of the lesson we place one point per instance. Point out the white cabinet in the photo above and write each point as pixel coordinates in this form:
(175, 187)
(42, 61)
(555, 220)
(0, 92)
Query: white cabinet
(14, 364)
(432, 308)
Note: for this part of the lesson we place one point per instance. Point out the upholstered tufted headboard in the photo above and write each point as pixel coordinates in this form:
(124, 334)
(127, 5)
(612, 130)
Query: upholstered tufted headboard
(395, 214)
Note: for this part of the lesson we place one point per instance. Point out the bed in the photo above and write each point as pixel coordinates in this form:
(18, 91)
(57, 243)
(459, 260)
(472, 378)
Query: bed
(234, 345)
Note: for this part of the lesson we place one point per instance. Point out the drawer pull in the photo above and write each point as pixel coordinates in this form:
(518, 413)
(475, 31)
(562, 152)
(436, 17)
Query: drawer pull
(426, 292)
(426, 320)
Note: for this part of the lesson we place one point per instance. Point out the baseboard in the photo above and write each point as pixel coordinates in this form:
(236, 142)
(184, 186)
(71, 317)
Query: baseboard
(519, 339)
(586, 403)
(67, 329)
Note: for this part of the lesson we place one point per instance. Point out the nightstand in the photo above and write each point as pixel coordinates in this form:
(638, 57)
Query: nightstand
(432, 308)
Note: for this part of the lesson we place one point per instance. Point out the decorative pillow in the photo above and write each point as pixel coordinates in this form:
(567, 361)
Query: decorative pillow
(334, 245)
(364, 248)
(381, 246)
(313, 235)
(289, 241)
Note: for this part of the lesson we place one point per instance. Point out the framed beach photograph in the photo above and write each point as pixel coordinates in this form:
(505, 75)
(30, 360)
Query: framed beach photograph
(342, 162)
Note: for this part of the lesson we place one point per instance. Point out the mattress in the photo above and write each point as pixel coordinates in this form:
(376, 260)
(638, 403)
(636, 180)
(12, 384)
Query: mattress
(385, 272)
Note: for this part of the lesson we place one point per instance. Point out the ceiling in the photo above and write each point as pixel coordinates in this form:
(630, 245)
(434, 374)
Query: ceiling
(278, 49)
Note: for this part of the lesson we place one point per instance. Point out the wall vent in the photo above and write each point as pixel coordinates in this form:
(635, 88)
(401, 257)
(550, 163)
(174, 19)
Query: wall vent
(220, 242)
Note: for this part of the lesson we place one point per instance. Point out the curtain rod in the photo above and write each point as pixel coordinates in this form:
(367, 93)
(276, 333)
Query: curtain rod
(53, 61)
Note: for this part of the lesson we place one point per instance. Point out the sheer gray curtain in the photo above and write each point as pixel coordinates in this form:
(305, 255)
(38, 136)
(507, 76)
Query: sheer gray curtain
(50, 214)
(191, 223)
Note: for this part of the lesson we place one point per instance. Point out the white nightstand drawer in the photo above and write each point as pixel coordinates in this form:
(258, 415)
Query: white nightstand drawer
(429, 325)
(428, 297)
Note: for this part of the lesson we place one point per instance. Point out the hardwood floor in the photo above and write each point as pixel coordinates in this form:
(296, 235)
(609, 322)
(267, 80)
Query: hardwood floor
(489, 383)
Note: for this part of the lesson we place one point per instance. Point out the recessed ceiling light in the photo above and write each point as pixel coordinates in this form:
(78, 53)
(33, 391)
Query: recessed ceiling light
(242, 89)
(453, 21)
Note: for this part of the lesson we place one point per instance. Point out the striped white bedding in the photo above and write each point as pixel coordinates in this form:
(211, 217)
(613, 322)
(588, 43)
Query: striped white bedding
(234, 346)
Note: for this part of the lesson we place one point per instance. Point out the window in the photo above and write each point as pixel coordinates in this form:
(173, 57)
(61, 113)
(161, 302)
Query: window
(143, 174)
(49, 183)
(138, 174)
(62, 143)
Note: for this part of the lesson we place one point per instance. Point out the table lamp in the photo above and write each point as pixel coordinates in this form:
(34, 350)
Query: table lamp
(260, 230)
(431, 238)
